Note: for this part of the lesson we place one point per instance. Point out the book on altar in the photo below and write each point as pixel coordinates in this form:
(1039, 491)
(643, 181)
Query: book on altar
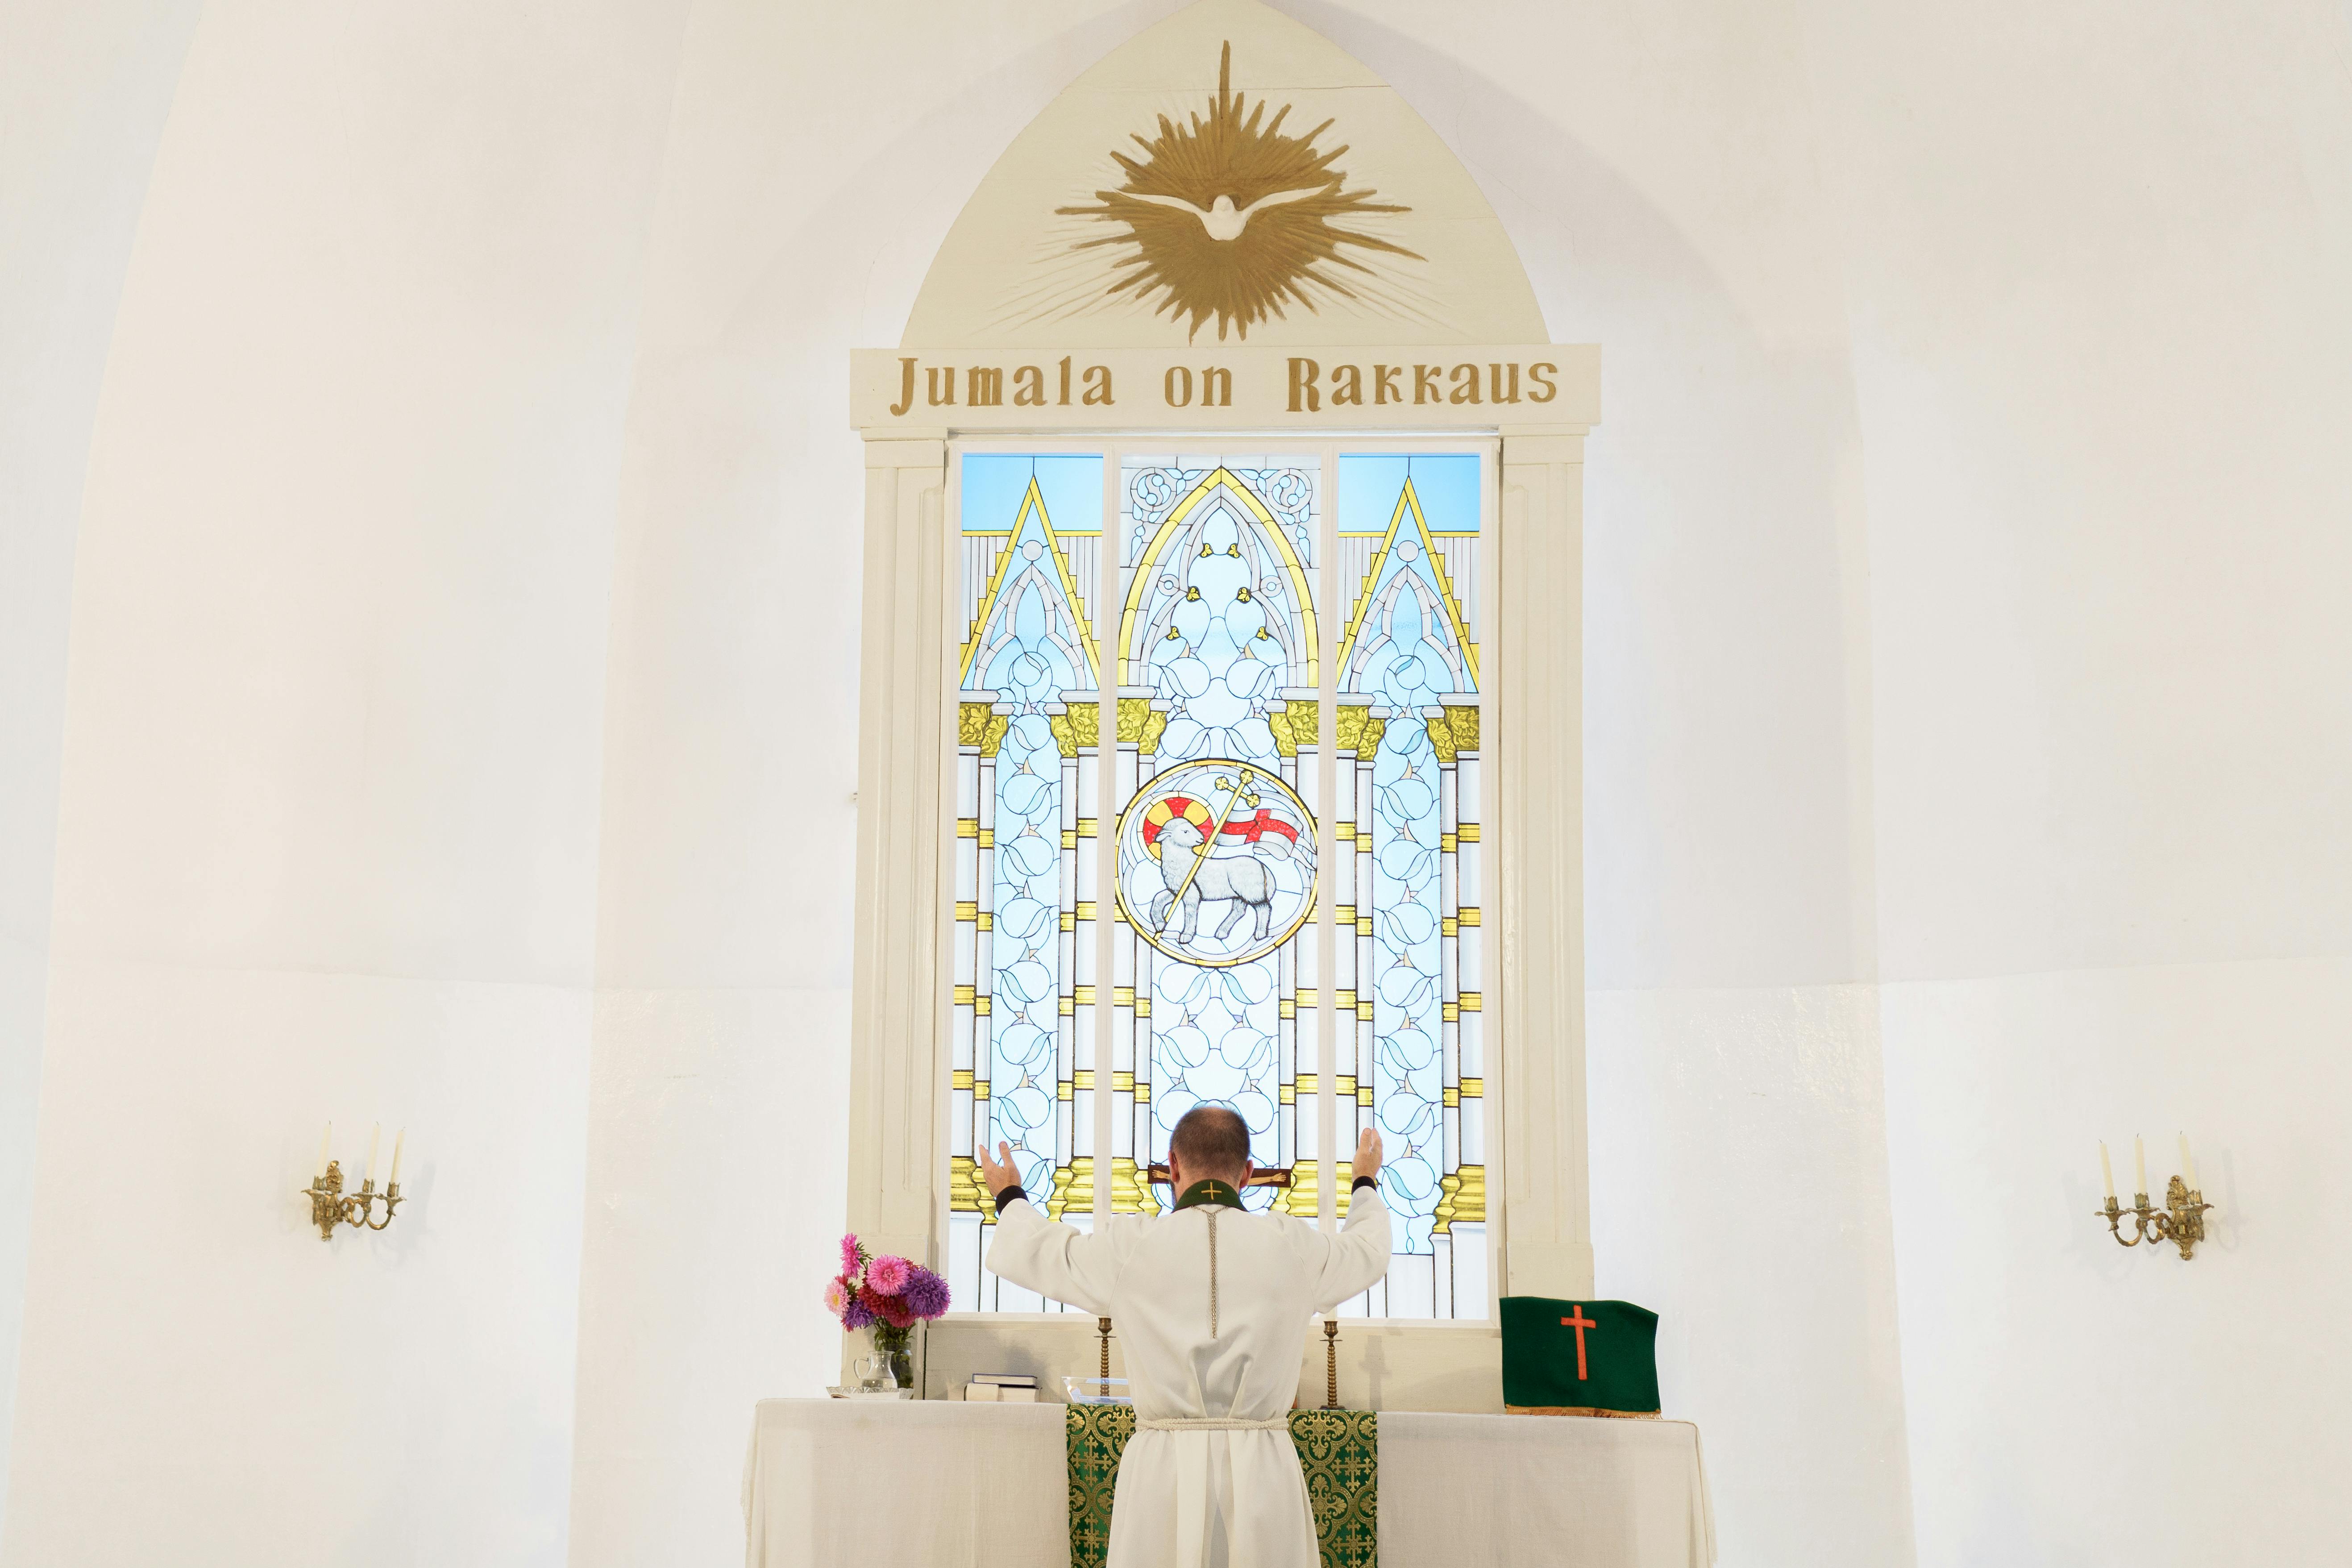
(1579, 1358)
(977, 1392)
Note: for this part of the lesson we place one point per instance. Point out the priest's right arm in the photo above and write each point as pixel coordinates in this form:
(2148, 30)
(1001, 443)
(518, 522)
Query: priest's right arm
(1059, 1261)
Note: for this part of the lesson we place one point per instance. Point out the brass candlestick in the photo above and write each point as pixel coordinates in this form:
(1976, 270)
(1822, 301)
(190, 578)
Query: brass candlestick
(329, 1207)
(1102, 1326)
(2181, 1221)
(1332, 1363)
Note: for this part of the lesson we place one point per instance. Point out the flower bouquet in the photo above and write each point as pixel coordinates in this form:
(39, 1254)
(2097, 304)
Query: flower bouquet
(889, 1296)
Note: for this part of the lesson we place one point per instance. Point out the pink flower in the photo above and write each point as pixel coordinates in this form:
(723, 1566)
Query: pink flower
(837, 1296)
(852, 1255)
(887, 1275)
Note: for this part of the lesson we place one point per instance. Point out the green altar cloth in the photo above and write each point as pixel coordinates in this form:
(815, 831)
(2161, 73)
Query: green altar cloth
(1338, 1449)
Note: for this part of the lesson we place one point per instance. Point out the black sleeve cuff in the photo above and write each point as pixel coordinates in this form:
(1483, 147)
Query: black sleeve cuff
(1010, 1195)
(1364, 1182)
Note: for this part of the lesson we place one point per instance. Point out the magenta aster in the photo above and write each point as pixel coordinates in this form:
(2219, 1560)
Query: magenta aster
(887, 1275)
(852, 1255)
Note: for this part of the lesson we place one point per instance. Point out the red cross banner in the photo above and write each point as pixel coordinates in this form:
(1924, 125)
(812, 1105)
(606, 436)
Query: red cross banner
(1579, 1358)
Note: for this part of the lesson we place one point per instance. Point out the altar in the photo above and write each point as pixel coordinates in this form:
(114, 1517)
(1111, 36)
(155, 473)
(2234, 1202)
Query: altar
(947, 1484)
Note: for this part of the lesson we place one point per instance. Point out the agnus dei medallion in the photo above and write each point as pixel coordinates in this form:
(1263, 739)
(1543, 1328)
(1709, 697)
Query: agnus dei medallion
(1216, 862)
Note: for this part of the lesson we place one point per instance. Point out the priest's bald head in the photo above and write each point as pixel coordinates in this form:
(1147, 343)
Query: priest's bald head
(1210, 1142)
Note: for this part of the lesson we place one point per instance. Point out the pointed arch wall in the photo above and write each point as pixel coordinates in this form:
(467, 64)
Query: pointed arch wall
(1228, 225)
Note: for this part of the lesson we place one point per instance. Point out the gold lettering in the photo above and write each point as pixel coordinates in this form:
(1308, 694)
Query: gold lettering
(1029, 387)
(1216, 387)
(1303, 373)
(905, 388)
(1384, 387)
(1537, 378)
(984, 388)
(931, 374)
(1465, 383)
(1495, 383)
(1098, 384)
(1066, 381)
(1347, 385)
(1425, 383)
(1169, 385)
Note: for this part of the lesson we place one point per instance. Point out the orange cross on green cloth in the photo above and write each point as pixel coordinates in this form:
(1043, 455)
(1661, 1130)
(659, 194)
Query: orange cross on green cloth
(1579, 1358)
(1579, 1322)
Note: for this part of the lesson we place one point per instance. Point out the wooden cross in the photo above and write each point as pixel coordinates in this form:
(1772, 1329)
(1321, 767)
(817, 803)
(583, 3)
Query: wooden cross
(1579, 1322)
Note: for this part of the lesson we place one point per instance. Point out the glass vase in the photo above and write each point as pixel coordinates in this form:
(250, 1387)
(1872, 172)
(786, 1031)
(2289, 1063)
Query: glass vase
(896, 1347)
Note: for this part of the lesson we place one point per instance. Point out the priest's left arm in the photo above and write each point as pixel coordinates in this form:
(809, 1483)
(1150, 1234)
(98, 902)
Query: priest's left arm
(1359, 1255)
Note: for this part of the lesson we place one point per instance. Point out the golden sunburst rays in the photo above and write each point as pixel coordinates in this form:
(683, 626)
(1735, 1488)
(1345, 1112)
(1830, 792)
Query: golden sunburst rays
(1229, 217)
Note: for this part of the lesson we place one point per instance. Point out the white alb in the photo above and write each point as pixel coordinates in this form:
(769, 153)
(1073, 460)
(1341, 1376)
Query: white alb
(1210, 1480)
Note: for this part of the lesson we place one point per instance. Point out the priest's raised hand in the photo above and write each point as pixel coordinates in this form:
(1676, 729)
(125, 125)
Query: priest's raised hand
(1212, 1304)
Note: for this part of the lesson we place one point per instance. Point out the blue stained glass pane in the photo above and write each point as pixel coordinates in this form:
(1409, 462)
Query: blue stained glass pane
(1409, 687)
(1447, 484)
(994, 484)
(1031, 531)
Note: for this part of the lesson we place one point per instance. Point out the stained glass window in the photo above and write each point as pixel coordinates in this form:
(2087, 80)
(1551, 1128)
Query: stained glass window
(1223, 570)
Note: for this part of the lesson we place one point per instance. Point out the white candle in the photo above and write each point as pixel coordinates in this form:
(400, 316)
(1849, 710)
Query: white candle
(2139, 1165)
(324, 1139)
(2189, 1165)
(2106, 1172)
(374, 1138)
(398, 1144)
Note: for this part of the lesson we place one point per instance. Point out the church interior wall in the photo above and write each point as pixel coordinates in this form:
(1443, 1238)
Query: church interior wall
(2102, 357)
(325, 831)
(459, 723)
(84, 115)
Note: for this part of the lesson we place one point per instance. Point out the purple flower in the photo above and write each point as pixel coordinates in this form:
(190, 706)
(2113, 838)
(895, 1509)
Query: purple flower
(926, 1293)
(856, 1314)
(852, 1255)
(887, 1275)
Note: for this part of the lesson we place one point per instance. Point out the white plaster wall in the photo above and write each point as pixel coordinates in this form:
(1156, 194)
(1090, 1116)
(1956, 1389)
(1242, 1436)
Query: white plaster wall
(325, 840)
(2049, 1372)
(2095, 261)
(79, 118)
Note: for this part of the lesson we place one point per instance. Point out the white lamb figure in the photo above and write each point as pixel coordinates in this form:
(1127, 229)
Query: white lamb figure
(1246, 880)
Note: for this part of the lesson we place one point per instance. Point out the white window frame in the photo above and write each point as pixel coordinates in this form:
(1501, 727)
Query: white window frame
(1537, 1181)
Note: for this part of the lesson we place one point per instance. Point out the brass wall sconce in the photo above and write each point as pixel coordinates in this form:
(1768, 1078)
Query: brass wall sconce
(2180, 1221)
(329, 1207)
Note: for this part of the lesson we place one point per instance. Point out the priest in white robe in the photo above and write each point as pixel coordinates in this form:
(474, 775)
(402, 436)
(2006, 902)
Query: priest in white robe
(1212, 1304)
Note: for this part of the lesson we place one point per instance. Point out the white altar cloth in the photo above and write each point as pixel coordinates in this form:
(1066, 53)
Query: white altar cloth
(944, 1483)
